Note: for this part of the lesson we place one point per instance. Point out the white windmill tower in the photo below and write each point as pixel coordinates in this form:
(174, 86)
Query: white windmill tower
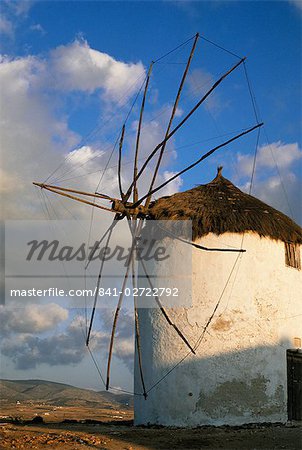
(244, 319)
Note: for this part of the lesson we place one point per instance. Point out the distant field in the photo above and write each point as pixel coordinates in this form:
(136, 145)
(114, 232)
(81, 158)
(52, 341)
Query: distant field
(78, 419)
(58, 394)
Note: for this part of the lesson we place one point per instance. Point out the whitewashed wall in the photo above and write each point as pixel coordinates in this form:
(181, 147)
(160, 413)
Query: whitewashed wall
(239, 372)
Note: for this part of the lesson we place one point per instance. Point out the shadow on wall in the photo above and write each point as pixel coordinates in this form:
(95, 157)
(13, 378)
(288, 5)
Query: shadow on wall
(245, 386)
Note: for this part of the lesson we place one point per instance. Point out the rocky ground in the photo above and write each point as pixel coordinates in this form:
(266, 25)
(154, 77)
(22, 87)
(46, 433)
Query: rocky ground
(41, 426)
(37, 414)
(118, 437)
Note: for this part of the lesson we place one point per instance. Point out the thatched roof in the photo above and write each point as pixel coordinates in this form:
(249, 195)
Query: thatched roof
(219, 207)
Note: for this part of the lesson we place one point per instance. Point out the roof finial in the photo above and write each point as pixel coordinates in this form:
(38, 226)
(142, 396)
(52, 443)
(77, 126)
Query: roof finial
(219, 171)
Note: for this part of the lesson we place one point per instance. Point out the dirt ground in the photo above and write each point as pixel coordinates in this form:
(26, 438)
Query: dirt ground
(112, 429)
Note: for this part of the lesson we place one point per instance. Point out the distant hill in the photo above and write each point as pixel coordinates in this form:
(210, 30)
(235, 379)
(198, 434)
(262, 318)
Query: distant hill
(59, 394)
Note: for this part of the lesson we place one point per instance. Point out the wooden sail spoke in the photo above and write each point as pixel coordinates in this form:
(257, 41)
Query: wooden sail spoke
(117, 311)
(119, 170)
(119, 304)
(97, 288)
(135, 193)
(137, 331)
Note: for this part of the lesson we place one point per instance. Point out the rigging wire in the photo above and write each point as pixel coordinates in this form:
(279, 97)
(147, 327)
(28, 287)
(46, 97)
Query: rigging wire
(199, 340)
(252, 95)
(176, 48)
(254, 161)
(96, 365)
(90, 134)
(279, 174)
(219, 46)
(215, 122)
(258, 118)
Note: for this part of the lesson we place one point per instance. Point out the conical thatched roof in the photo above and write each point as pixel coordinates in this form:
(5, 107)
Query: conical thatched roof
(219, 207)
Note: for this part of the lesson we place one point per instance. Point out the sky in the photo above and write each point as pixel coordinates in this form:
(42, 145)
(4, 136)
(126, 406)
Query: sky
(70, 71)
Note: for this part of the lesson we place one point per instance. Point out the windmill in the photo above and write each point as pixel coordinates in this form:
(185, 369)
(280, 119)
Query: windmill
(135, 209)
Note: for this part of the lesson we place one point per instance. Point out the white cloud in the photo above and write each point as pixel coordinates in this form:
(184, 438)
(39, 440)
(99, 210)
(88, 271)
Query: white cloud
(28, 350)
(124, 336)
(19, 7)
(297, 3)
(280, 188)
(6, 27)
(37, 27)
(172, 187)
(33, 139)
(31, 318)
(35, 135)
(268, 155)
(83, 155)
(199, 82)
(283, 194)
(13, 12)
(23, 344)
(79, 67)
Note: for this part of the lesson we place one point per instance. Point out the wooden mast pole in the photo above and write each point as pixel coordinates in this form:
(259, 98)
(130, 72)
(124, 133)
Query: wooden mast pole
(172, 117)
(137, 328)
(121, 296)
(135, 193)
(120, 162)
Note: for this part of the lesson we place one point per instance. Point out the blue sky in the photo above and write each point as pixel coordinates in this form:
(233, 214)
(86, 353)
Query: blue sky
(57, 84)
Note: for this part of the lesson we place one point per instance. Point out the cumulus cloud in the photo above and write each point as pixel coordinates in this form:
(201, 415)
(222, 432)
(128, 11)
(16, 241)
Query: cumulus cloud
(25, 344)
(31, 318)
(124, 337)
(28, 350)
(19, 8)
(199, 82)
(79, 67)
(13, 12)
(35, 134)
(83, 154)
(172, 187)
(33, 138)
(284, 155)
(281, 188)
(27, 347)
(6, 27)
(296, 3)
